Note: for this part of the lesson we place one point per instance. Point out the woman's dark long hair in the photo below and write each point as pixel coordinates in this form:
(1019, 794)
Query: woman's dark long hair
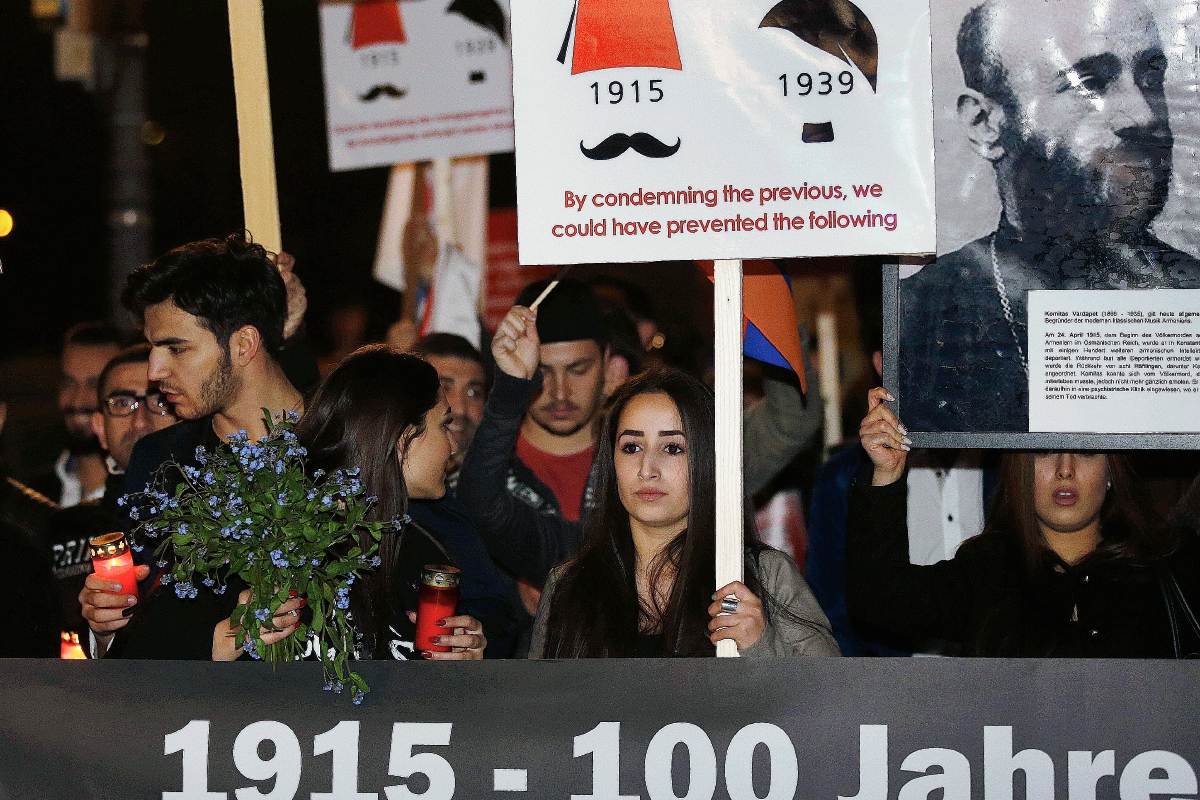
(1127, 524)
(595, 610)
(370, 402)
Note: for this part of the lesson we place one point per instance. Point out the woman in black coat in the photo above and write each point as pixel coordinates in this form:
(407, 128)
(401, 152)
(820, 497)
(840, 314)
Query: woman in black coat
(1070, 563)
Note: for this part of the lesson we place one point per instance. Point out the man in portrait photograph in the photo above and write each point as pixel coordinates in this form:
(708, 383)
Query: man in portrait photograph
(1066, 101)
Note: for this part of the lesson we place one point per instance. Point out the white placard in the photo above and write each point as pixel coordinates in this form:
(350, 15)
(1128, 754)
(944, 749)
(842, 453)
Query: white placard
(1114, 361)
(445, 90)
(739, 93)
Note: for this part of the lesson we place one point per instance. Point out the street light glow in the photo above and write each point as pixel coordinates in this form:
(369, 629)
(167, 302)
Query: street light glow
(6, 223)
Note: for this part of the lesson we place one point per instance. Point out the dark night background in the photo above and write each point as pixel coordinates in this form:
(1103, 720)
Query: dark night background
(54, 171)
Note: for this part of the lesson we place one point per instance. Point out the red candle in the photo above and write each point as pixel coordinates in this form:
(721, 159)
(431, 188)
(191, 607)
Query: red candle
(437, 600)
(70, 647)
(112, 561)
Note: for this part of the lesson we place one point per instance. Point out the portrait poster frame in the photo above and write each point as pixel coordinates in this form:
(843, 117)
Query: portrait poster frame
(1074, 201)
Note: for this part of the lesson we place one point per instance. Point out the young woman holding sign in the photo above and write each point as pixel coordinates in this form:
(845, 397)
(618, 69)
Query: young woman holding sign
(1071, 563)
(643, 581)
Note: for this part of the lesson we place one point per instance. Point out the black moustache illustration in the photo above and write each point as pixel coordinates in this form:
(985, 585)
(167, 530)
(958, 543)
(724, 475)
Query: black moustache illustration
(816, 132)
(486, 13)
(384, 88)
(642, 143)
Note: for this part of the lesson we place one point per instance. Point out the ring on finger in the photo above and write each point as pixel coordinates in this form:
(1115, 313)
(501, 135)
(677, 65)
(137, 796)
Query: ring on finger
(730, 605)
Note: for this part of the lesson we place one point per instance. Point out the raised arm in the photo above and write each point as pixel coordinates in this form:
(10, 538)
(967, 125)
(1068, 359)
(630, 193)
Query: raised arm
(519, 536)
(883, 588)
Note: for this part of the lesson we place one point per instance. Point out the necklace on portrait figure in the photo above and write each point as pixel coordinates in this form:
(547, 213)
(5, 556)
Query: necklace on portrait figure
(1005, 305)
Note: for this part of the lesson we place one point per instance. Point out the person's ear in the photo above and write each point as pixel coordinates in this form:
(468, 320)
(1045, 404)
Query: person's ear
(616, 370)
(98, 429)
(244, 344)
(877, 362)
(984, 119)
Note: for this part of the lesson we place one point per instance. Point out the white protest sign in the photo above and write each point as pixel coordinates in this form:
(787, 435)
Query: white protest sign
(680, 129)
(415, 80)
(1114, 361)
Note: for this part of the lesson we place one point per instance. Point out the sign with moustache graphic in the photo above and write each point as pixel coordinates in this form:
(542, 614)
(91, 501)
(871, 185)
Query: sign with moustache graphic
(415, 80)
(693, 129)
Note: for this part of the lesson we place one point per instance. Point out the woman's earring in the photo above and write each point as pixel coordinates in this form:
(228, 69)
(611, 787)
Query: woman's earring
(1109, 484)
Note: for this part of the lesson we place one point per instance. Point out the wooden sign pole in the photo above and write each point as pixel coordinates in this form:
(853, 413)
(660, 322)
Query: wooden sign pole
(256, 146)
(728, 326)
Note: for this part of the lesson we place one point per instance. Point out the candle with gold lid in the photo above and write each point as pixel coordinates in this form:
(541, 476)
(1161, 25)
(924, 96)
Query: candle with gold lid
(113, 561)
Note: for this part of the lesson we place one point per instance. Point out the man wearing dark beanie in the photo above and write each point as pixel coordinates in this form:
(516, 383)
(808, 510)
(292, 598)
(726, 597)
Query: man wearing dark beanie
(524, 478)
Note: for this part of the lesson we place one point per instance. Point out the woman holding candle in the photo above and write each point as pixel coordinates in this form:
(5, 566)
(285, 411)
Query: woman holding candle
(642, 583)
(380, 412)
(1070, 564)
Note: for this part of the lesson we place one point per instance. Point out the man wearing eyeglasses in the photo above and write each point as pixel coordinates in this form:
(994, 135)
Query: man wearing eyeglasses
(130, 406)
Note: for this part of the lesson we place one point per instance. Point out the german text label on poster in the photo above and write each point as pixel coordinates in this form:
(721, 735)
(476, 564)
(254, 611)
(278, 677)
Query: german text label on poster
(1114, 362)
(669, 129)
(416, 80)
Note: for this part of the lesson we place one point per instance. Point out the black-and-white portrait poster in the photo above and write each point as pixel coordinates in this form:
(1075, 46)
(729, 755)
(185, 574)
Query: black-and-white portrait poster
(1065, 297)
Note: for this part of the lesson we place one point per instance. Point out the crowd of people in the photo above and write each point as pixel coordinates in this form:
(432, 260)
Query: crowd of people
(573, 487)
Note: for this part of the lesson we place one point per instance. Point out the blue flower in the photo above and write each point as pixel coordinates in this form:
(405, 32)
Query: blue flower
(278, 467)
(318, 474)
(216, 514)
(212, 501)
(310, 494)
(316, 562)
(121, 501)
(282, 499)
(262, 614)
(372, 499)
(137, 548)
(354, 471)
(343, 598)
(209, 582)
(133, 514)
(325, 501)
(201, 454)
(278, 560)
(292, 416)
(376, 561)
(184, 589)
(358, 697)
(250, 648)
(350, 579)
(162, 562)
(183, 528)
(191, 472)
(220, 589)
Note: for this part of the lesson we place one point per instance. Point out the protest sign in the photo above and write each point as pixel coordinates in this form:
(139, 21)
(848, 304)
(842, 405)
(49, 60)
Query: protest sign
(694, 129)
(415, 80)
(1058, 172)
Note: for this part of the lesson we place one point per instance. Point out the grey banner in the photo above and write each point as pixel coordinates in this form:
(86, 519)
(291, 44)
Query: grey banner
(816, 729)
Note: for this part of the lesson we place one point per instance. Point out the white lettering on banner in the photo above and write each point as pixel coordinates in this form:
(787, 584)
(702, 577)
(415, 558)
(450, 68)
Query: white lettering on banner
(1147, 775)
(1139, 779)
(1114, 361)
(1137, 783)
(283, 765)
(954, 780)
(1000, 766)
